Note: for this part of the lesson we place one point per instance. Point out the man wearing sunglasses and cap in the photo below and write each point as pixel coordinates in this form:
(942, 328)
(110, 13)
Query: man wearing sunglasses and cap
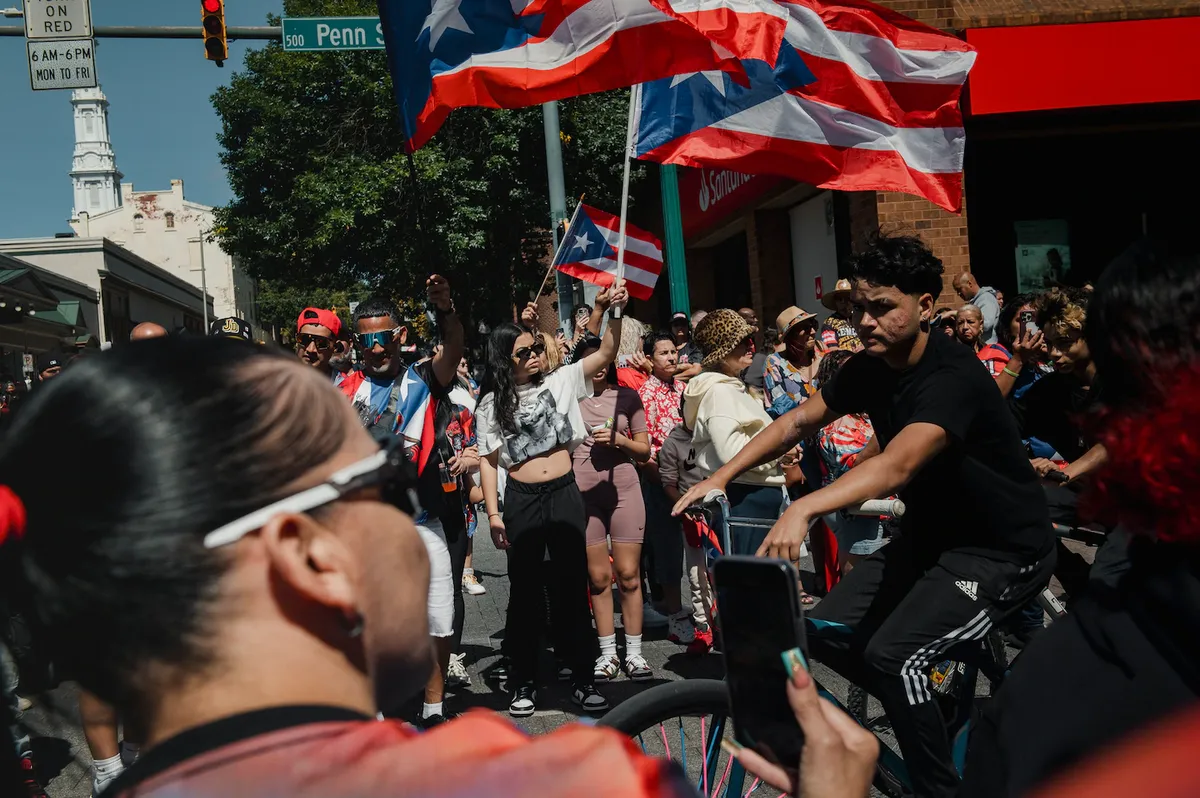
(318, 340)
(414, 403)
(838, 332)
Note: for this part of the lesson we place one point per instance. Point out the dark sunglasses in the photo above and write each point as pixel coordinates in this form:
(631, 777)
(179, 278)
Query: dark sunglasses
(371, 340)
(526, 352)
(304, 340)
(389, 471)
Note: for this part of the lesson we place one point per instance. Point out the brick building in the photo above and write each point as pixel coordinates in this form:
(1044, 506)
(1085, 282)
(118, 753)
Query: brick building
(1082, 121)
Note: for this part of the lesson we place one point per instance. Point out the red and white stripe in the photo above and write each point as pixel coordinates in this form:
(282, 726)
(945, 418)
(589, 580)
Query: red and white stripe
(586, 46)
(643, 257)
(744, 28)
(882, 115)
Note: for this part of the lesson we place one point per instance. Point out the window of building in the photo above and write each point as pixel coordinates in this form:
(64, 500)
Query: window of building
(139, 223)
(93, 193)
(89, 122)
(170, 217)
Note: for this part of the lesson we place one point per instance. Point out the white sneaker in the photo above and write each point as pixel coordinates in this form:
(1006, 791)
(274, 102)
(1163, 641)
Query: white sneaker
(102, 780)
(456, 674)
(607, 667)
(636, 667)
(471, 585)
(588, 699)
(652, 618)
(680, 628)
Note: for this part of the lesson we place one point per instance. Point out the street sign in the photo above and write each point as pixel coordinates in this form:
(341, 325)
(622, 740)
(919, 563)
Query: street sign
(65, 64)
(58, 19)
(322, 34)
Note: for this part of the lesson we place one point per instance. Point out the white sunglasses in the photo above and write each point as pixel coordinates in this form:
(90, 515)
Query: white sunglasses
(388, 469)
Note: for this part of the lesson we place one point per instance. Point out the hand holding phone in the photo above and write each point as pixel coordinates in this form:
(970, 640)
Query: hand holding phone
(759, 601)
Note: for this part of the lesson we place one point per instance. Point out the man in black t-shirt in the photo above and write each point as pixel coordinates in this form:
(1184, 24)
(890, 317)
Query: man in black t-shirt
(975, 542)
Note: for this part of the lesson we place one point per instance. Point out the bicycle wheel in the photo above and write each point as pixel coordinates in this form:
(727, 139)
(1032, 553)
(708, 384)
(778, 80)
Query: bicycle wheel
(685, 721)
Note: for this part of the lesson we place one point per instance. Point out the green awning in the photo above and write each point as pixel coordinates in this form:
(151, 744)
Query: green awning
(68, 314)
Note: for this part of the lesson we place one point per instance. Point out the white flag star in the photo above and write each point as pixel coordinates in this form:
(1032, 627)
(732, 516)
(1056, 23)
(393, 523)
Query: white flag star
(713, 76)
(582, 242)
(444, 16)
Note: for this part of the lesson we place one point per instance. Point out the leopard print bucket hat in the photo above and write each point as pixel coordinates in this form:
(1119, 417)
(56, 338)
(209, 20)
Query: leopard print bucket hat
(719, 333)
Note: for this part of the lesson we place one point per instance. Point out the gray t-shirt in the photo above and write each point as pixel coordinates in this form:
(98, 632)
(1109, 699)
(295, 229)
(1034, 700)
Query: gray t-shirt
(547, 418)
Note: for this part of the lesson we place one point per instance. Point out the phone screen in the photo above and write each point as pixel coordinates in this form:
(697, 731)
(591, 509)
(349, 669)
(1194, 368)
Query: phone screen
(759, 610)
(1028, 327)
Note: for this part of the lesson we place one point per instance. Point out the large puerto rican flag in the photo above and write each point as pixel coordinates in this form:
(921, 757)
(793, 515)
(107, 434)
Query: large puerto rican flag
(859, 98)
(589, 252)
(446, 54)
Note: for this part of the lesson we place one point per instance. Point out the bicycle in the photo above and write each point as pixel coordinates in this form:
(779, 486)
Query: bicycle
(702, 705)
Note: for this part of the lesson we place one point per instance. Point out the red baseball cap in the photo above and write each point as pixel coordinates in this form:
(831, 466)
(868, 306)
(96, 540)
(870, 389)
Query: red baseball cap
(326, 318)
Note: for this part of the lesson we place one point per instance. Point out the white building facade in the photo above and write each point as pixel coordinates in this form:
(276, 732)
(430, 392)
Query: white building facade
(162, 227)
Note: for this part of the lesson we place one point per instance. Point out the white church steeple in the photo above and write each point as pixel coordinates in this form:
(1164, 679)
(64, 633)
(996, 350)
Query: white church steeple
(94, 172)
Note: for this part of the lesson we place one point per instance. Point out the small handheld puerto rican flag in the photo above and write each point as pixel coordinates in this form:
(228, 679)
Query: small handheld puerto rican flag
(589, 252)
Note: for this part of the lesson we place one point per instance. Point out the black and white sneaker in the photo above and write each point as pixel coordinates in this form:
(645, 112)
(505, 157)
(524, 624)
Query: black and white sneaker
(588, 698)
(524, 702)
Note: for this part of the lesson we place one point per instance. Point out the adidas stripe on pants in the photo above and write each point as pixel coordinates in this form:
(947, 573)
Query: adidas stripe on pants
(906, 609)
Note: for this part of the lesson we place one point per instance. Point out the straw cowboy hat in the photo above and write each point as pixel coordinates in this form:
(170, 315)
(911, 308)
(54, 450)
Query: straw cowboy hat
(840, 291)
(786, 321)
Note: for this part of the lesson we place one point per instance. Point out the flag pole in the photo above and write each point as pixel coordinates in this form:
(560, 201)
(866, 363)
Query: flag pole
(558, 249)
(635, 94)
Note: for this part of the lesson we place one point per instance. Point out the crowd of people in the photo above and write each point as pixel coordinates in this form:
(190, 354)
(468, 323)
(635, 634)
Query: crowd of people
(275, 550)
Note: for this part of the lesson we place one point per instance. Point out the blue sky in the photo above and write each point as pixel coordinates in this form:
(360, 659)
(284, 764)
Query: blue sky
(162, 123)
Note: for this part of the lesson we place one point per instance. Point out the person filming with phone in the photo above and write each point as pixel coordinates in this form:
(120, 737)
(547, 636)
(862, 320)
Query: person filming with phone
(948, 445)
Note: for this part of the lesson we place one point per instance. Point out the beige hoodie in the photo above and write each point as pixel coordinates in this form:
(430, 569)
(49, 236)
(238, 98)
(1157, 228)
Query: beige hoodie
(723, 417)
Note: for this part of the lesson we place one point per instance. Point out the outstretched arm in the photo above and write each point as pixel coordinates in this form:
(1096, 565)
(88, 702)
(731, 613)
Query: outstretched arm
(445, 362)
(882, 475)
(773, 442)
(607, 352)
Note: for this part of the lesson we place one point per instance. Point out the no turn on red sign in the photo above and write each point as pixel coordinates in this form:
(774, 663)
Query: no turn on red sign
(58, 19)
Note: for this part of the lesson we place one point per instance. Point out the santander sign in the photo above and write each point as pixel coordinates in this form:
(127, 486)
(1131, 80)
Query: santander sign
(717, 185)
(709, 196)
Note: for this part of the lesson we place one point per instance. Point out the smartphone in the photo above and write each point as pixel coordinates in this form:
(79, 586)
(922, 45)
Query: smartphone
(760, 618)
(622, 361)
(559, 331)
(1028, 327)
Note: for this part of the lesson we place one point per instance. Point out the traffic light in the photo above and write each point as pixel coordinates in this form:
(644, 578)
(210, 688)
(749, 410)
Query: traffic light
(212, 13)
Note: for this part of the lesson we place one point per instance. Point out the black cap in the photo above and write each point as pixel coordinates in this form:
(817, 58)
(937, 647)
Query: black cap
(231, 327)
(680, 316)
(48, 360)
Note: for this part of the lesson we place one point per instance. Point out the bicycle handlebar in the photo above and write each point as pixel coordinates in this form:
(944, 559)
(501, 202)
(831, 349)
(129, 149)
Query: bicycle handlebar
(1061, 477)
(893, 508)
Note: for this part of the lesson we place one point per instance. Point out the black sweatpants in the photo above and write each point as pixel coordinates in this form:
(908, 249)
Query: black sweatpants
(905, 609)
(540, 517)
(456, 542)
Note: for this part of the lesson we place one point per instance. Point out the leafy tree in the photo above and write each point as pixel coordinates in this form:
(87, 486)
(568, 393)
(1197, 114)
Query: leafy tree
(281, 304)
(324, 198)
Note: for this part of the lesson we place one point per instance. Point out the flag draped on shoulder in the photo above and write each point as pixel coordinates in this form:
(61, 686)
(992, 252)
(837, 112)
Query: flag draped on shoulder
(589, 252)
(415, 420)
(859, 98)
(446, 54)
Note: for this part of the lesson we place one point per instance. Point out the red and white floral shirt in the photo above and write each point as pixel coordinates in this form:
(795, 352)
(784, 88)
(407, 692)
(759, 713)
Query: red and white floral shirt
(661, 401)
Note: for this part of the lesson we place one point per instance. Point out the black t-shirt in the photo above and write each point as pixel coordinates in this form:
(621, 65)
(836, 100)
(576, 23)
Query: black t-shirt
(445, 506)
(689, 353)
(979, 492)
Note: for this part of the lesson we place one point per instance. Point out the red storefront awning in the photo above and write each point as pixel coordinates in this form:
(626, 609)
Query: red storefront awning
(1043, 67)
